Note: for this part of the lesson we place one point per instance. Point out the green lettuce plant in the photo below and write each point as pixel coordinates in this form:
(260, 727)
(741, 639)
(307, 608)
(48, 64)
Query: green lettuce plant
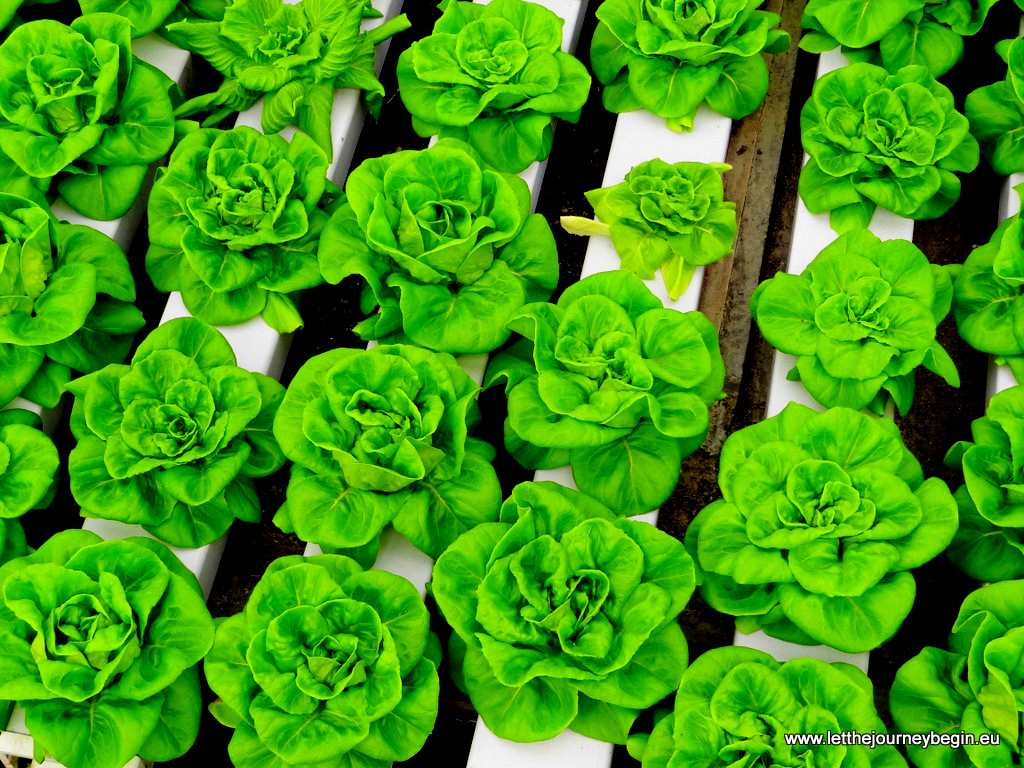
(894, 33)
(234, 222)
(328, 664)
(28, 476)
(99, 642)
(735, 706)
(172, 440)
(860, 319)
(292, 56)
(564, 615)
(822, 517)
(987, 301)
(996, 112)
(974, 687)
(879, 139)
(81, 116)
(613, 384)
(669, 57)
(65, 302)
(448, 248)
(494, 76)
(667, 217)
(379, 436)
(989, 544)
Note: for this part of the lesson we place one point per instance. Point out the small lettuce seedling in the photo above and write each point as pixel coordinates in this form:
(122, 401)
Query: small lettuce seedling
(99, 644)
(328, 664)
(496, 77)
(860, 319)
(822, 518)
(172, 440)
(668, 217)
(565, 615)
(670, 57)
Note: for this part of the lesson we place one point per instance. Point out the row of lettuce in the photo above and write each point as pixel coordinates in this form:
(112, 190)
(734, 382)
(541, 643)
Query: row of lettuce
(564, 612)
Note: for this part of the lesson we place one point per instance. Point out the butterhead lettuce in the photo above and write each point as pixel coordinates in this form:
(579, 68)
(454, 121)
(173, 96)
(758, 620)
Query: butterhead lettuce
(564, 615)
(860, 319)
(894, 33)
(996, 112)
(293, 56)
(447, 246)
(28, 475)
(496, 77)
(975, 686)
(99, 644)
(987, 301)
(670, 57)
(79, 112)
(612, 383)
(989, 544)
(885, 140)
(66, 294)
(234, 222)
(328, 664)
(172, 440)
(735, 706)
(668, 217)
(822, 518)
(380, 436)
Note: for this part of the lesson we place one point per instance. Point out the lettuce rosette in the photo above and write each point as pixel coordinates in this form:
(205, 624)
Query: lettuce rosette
(66, 294)
(99, 644)
(735, 706)
(172, 440)
(975, 687)
(989, 544)
(612, 383)
(327, 665)
(668, 217)
(234, 222)
(28, 476)
(380, 436)
(996, 112)
(860, 319)
(670, 57)
(564, 615)
(822, 517)
(885, 140)
(894, 33)
(293, 56)
(447, 246)
(496, 77)
(987, 295)
(80, 113)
